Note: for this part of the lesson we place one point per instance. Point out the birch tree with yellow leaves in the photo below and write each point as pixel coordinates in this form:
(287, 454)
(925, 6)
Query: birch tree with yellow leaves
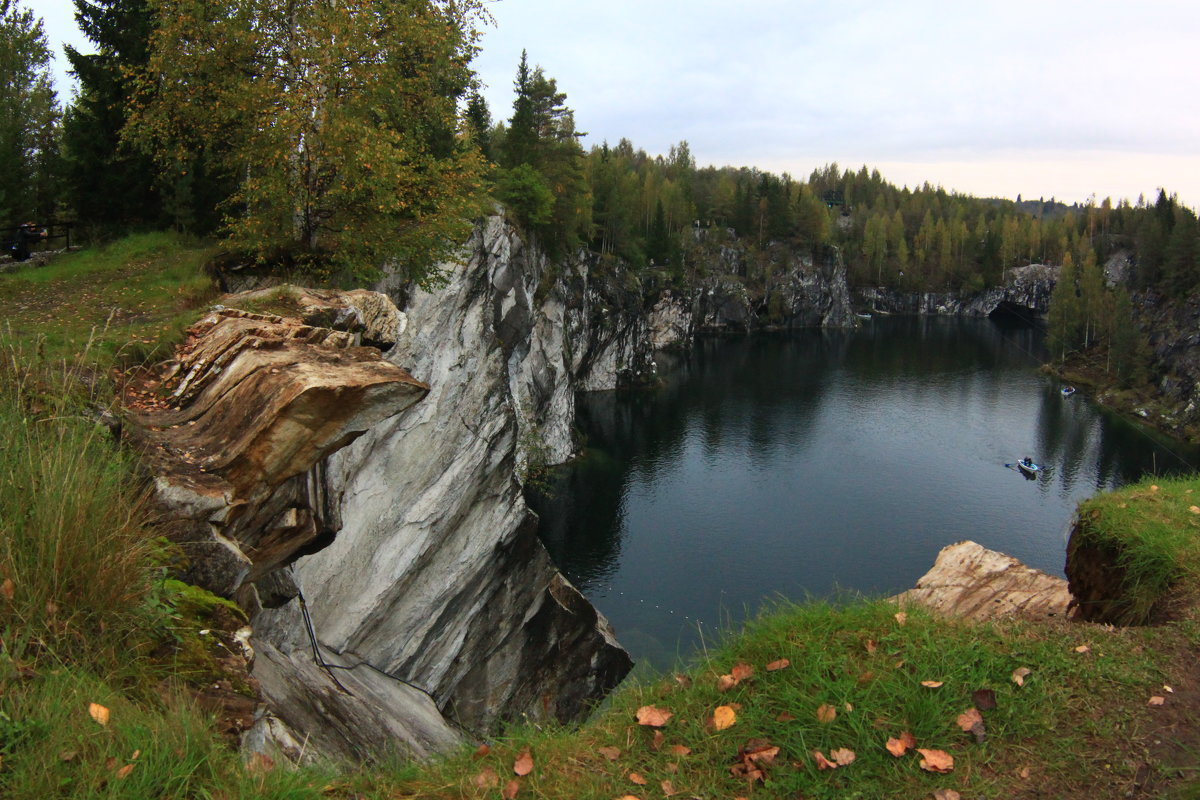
(338, 120)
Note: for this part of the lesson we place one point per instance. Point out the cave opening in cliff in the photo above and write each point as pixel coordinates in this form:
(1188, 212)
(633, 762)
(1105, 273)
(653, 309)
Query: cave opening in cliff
(1014, 312)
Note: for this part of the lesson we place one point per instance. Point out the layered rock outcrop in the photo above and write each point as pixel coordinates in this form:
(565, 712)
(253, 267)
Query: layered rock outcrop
(1025, 290)
(256, 402)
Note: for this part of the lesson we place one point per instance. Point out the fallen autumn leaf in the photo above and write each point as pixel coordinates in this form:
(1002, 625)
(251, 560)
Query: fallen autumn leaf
(524, 763)
(826, 713)
(653, 717)
(723, 717)
(486, 779)
(843, 756)
(1020, 674)
(936, 761)
(98, 712)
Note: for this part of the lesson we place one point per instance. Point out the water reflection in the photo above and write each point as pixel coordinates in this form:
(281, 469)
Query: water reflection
(795, 464)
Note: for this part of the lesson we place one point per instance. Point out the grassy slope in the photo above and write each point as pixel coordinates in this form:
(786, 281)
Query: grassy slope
(114, 634)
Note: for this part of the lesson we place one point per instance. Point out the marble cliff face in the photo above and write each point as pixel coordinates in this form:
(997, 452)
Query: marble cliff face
(352, 473)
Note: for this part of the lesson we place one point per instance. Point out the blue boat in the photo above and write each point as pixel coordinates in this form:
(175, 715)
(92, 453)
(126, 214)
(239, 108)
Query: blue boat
(1028, 468)
(1067, 391)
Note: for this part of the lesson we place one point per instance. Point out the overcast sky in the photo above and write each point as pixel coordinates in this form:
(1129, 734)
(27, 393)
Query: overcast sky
(1058, 98)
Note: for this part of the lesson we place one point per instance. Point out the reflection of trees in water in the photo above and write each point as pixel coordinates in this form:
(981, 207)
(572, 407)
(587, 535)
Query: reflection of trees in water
(729, 393)
(1098, 450)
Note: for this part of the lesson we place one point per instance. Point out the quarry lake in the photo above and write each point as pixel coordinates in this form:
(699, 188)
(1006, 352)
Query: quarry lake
(802, 464)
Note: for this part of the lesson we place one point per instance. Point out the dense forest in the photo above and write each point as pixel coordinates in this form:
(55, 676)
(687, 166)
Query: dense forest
(244, 120)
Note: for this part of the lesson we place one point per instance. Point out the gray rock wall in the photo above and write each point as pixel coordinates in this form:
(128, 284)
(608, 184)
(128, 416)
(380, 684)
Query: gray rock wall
(436, 576)
(1026, 287)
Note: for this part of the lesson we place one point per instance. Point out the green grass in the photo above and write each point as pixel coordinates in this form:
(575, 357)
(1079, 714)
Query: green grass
(1152, 532)
(52, 747)
(127, 300)
(1068, 726)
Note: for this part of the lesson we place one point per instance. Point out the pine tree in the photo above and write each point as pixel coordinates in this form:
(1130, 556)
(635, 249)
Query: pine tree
(1065, 312)
(28, 116)
(1093, 299)
(479, 122)
(658, 243)
(108, 184)
(1129, 354)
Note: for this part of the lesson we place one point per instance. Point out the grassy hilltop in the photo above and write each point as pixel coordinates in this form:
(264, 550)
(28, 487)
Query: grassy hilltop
(105, 657)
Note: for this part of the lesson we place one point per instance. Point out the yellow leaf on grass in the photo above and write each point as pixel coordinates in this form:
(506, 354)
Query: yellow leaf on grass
(98, 712)
(936, 760)
(1020, 674)
(725, 683)
(842, 756)
(653, 717)
(969, 719)
(7, 589)
(741, 671)
(723, 717)
(782, 663)
(826, 713)
(900, 746)
(932, 684)
(611, 753)
(901, 617)
(1157, 701)
(636, 778)
(124, 771)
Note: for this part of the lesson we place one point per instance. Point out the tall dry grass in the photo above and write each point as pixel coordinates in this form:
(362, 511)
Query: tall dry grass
(75, 550)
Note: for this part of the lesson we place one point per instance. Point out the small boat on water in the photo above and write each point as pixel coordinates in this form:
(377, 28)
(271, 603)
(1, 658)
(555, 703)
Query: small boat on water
(1067, 391)
(863, 315)
(1028, 468)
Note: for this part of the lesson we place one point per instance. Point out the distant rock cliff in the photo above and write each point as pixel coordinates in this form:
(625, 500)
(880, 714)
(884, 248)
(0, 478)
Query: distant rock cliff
(1024, 290)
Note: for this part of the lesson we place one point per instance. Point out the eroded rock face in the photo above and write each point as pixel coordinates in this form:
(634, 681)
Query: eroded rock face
(805, 294)
(257, 403)
(971, 582)
(1027, 288)
(437, 576)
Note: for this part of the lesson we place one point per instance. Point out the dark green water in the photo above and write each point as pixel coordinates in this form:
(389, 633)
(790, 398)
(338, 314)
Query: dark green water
(800, 464)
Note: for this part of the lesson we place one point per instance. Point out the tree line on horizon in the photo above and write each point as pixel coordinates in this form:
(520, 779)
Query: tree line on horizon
(351, 133)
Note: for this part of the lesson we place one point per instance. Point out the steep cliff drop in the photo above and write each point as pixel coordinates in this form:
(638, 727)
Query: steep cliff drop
(401, 598)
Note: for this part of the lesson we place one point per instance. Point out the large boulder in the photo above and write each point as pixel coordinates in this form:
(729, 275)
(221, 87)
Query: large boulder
(969, 581)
